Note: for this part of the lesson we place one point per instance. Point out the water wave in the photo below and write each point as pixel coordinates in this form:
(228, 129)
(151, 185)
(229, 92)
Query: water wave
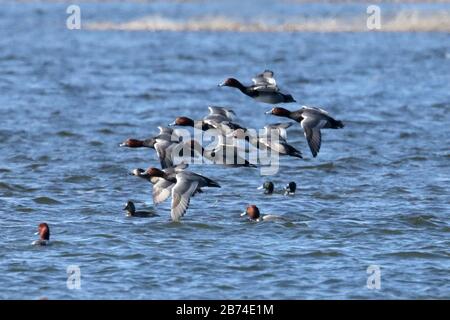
(404, 21)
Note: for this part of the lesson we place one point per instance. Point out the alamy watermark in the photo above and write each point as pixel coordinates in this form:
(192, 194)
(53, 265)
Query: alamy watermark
(73, 277)
(250, 147)
(374, 17)
(73, 21)
(374, 278)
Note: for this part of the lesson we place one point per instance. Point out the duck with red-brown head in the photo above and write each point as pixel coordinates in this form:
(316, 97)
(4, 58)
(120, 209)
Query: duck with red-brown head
(233, 83)
(253, 214)
(183, 121)
(178, 183)
(263, 89)
(136, 143)
(155, 172)
(188, 122)
(311, 119)
(44, 235)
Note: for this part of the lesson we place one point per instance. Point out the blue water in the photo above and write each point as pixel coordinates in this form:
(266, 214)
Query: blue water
(377, 194)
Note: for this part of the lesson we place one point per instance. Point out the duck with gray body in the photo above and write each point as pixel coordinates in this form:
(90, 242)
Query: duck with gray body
(178, 183)
(165, 144)
(222, 154)
(253, 214)
(264, 89)
(273, 138)
(219, 119)
(311, 120)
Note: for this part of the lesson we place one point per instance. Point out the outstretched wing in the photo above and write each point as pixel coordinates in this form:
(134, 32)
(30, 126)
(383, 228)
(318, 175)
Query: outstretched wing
(311, 128)
(162, 190)
(181, 195)
(165, 157)
(280, 127)
(265, 79)
(227, 113)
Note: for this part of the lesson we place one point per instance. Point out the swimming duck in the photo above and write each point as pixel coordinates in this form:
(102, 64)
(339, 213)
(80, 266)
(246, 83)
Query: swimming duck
(44, 235)
(312, 120)
(131, 211)
(264, 89)
(253, 214)
(268, 187)
(278, 145)
(290, 188)
(178, 183)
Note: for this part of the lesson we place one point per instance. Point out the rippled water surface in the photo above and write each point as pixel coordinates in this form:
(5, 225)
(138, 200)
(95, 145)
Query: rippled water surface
(377, 194)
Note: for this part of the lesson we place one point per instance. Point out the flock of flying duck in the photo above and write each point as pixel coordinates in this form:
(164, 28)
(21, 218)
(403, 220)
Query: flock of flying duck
(173, 180)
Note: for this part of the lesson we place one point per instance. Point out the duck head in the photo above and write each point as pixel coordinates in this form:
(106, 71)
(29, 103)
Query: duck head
(138, 172)
(44, 231)
(252, 212)
(155, 172)
(136, 143)
(290, 188)
(231, 82)
(268, 187)
(130, 208)
(280, 112)
(183, 121)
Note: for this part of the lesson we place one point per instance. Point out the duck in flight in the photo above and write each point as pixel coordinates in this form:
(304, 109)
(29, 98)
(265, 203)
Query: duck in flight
(273, 138)
(166, 143)
(311, 120)
(178, 183)
(264, 89)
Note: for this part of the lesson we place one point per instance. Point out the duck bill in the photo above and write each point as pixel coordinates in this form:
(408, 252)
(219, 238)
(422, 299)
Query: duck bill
(221, 84)
(243, 214)
(260, 187)
(268, 112)
(172, 124)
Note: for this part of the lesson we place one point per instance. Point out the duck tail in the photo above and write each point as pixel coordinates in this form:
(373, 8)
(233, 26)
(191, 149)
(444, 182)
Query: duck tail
(294, 152)
(250, 165)
(336, 124)
(297, 155)
(212, 183)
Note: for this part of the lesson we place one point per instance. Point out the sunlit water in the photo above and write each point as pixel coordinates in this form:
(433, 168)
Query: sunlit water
(377, 194)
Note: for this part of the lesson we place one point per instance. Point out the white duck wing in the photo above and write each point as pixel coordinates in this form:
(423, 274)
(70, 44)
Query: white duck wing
(162, 190)
(314, 110)
(265, 79)
(221, 111)
(181, 196)
(280, 127)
